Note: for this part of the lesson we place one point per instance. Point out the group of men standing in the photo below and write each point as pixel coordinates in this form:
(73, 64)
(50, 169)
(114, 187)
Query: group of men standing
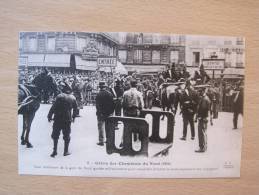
(196, 105)
(108, 100)
(191, 104)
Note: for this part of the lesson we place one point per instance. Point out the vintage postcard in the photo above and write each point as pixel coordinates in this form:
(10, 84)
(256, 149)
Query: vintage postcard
(134, 105)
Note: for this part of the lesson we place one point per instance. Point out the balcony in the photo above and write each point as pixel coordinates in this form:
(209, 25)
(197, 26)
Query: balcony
(240, 65)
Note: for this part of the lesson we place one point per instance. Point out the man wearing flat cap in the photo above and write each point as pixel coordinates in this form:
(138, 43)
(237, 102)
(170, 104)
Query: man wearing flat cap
(104, 109)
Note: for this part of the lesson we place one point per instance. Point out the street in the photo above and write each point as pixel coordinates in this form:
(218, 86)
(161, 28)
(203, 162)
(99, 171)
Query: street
(224, 144)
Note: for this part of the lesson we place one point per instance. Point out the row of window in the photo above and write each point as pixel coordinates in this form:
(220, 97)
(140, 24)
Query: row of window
(148, 56)
(234, 58)
(66, 44)
(140, 38)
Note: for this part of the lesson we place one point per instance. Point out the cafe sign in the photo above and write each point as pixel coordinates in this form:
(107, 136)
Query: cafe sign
(106, 61)
(213, 64)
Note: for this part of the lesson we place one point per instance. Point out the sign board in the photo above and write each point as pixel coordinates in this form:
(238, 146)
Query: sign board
(213, 64)
(107, 61)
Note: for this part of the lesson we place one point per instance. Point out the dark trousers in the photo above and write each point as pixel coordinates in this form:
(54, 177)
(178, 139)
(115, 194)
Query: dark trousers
(235, 119)
(65, 127)
(215, 109)
(101, 128)
(132, 112)
(202, 133)
(118, 107)
(149, 103)
(45, 96)
(188, 119)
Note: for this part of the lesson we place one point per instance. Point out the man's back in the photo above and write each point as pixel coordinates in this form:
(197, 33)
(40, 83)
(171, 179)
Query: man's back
(62, 107)
(132, 98)
(203, 106)
(104, 103)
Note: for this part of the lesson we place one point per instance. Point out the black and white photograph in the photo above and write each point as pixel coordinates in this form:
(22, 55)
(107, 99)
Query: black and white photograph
(130, 104)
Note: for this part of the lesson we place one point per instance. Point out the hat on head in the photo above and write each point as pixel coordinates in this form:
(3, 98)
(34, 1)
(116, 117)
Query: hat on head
(65, 88)
(133, 83)
(181, 80)
(117, 80)
(102, 84)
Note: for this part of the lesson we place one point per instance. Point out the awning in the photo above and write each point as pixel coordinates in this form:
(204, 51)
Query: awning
(120, 68)
(57, 60)
(85, 64)
(49, 60)
(145, 68)
(234, 71)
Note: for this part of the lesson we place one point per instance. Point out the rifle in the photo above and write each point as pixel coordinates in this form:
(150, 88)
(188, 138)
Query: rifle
(163, 152)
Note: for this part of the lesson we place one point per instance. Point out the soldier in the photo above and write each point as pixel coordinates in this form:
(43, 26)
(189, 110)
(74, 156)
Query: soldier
(77, 88)
(214, 95)
(203, 111)
(117, 92)
(204, 76)
(185, 74)
(87, 89)
(238, 104)
(188, 104)
(61, 109)
(104, 109)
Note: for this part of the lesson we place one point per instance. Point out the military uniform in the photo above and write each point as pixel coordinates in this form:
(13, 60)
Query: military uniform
(117, 92)
(238, 105)
(203, 109)
(104, 108)
(188, 104)
(62, 111)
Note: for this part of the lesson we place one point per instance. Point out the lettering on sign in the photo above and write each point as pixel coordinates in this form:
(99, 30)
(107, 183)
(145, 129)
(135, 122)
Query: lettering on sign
(107, 61)
(213, 64)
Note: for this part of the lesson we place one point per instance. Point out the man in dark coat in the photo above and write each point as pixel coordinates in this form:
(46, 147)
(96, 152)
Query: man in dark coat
(61, 109)
(104, 109)
(188, 105)
(238, 105)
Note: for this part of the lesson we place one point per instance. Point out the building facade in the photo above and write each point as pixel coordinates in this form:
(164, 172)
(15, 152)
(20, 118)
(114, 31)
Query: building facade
(138, 52)
(229, 50)
(54, 49)
(146, 52)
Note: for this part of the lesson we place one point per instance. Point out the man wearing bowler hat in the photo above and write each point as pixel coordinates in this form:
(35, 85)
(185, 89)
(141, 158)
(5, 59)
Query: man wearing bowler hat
(104, 109)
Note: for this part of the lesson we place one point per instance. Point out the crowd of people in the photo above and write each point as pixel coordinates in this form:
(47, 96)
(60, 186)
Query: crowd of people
(198, 97)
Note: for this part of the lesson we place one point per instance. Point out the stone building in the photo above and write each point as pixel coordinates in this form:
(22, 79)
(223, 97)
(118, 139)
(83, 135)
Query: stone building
(54, 49)
(146, 52)
(224, 55)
